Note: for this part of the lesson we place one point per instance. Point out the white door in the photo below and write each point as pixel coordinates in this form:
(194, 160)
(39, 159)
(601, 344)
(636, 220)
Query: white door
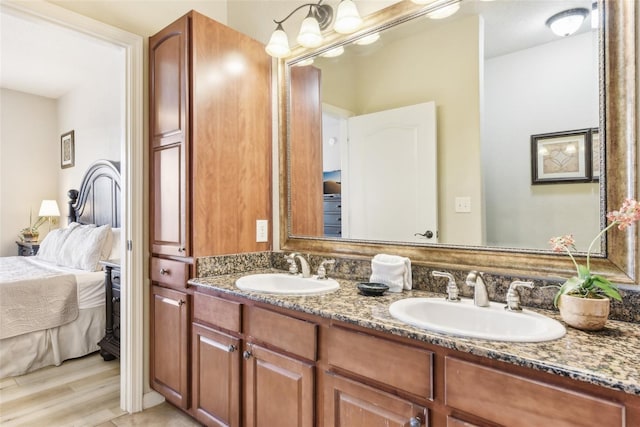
(391, 180)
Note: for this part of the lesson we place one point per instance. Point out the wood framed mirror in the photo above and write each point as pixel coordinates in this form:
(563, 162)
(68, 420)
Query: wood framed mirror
(618, 129)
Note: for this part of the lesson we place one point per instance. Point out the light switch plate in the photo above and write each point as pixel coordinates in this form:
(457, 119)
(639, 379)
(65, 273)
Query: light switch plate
(262, 230)
(463, 204)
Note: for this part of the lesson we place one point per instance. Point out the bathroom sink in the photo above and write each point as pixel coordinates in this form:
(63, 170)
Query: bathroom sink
(464, 319)
(286, 284)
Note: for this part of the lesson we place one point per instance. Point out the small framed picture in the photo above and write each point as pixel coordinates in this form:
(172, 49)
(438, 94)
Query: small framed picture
(595, 154)
(561, 157)
(67, 150)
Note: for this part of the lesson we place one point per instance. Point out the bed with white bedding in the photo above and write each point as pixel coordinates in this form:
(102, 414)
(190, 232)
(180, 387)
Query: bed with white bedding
(52, 306)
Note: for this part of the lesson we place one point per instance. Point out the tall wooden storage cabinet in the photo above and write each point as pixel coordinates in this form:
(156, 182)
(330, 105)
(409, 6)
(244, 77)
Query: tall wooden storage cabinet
(210, 172)
(210, 127)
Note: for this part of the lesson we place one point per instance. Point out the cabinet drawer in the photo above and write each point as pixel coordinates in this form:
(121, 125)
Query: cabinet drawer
(333, 230)
(387, 362)
(332, 218)
(168, 272)
(217, 312)
(296, 336)
(115, 300)
(509, 399)
(115, 277)
(332, 206)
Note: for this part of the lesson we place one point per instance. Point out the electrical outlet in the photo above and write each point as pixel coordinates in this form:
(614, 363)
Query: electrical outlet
(463, 204)
(262, 230)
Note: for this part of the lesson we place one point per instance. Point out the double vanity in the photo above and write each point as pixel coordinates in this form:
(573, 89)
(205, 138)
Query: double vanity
(337, 357)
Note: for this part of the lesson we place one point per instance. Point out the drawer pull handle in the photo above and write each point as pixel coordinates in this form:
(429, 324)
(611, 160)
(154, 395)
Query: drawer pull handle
(115, 299)
(164, 271)
(232, 348)
(180, 249)
(415, 422)
(115, 278)
(247, 354)
(181, 302)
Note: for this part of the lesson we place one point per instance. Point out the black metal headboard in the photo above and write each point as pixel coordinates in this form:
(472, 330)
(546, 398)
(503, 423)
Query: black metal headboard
(98, 201)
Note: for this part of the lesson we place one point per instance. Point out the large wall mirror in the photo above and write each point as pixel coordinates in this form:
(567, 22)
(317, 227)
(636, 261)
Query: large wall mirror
(464, 142)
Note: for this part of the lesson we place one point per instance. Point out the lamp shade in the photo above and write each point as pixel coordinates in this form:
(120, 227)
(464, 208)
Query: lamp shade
(444, 12)
(49, 208)
(348, 19)
(309, 35)
(278, 45)
(568, 22)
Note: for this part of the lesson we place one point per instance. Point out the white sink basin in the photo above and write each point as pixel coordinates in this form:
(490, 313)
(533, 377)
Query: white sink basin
(286, 284)
(466, 320)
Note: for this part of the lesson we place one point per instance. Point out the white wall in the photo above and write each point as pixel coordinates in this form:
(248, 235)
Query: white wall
(29, 162)
(95, 114)
(549, 88)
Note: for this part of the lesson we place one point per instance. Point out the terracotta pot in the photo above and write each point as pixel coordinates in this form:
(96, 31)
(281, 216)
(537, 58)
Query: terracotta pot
(588, 314)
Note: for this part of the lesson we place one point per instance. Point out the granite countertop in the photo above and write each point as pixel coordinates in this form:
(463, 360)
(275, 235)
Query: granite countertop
(609, 358)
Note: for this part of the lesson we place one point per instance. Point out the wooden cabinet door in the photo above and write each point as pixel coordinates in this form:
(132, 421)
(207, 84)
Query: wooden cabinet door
(168, 128)
(216, 377)
(278, 390)
(170, 344)
(348, 403)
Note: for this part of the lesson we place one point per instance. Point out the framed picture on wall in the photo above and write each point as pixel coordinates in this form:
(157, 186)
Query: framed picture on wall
(67, 150)
(594, 137)
(561, 157)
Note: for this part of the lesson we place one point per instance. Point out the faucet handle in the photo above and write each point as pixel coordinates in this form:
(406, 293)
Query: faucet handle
(293, 267)
(513, 296)
(452, 288)
(322, 270)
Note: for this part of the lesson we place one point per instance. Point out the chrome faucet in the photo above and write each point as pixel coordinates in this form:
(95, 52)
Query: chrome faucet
(513, 297)
(322, 270)
(480, 296)
(452, 288)
(293, 267)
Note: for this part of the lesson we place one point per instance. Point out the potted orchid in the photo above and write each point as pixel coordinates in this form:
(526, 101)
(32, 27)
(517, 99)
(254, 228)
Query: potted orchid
(584, 299)
(31, 233)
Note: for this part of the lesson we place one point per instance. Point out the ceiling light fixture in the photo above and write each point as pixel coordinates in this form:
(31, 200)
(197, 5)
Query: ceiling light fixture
(370, 39)
(443, 8)
(318, 19)
(567, 22)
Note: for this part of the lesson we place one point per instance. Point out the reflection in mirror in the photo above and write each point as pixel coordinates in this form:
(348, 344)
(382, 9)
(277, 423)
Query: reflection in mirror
(425, 135)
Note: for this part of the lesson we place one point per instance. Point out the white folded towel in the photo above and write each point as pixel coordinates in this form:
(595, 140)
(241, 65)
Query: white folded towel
(392, 270)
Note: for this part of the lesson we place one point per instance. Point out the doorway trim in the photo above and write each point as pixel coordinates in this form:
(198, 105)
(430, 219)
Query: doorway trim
(131, 157)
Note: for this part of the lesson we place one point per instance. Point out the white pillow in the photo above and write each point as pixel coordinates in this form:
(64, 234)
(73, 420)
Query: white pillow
(84, 247)
(115, 244)
(53, 241)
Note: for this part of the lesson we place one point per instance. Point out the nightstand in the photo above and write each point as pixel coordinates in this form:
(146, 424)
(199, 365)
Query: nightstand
(27, 248)
(110, 344)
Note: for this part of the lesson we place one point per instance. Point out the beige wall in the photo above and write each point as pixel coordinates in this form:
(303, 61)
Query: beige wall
(397, 76)
(28, 162)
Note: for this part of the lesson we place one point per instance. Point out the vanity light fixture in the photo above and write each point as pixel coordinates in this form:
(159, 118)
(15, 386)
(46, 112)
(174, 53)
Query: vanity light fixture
(567, 22)
(446, 7)
(334, 52)
(348, 19)
(318, 19)
(370, 39)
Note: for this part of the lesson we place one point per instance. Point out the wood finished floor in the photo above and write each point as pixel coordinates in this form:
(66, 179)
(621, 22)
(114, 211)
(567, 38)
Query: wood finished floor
(80, 393)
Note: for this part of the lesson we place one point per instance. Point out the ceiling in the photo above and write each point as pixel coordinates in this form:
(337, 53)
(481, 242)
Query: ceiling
(48, 60)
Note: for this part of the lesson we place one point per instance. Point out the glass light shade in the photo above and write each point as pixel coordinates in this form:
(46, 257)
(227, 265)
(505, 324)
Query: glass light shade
(49, 208)
(278, 45)
(334, 52)
(348, 19)
(370, 39)
(304, 62)
(309, 35)
(444, 12)
(568, 22)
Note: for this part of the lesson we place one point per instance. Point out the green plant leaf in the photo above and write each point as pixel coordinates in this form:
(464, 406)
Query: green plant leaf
(608, 288)
(583, 272)
(571, 285)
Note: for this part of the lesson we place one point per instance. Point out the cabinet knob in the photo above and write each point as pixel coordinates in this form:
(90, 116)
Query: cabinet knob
(247, 354)
(164, 271)
(181, 302)
(232, 348)
(115, 299)
(180, 249)
(415, 422)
